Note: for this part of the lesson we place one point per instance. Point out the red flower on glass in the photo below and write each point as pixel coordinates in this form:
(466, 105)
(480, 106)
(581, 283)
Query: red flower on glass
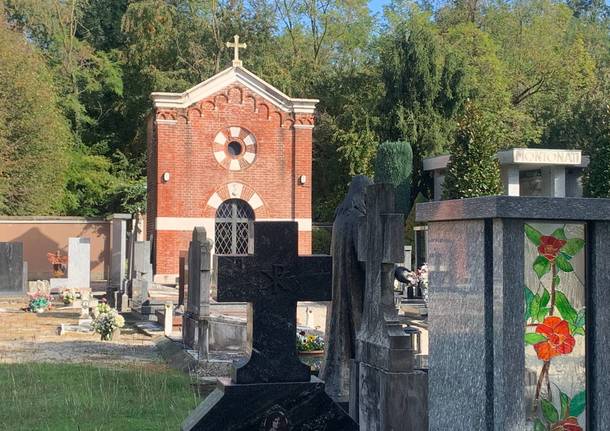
(549, 247)
(559, 340)
(569, 424)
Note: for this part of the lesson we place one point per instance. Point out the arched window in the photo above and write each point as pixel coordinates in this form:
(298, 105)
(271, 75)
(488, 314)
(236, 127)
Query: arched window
(234, 219)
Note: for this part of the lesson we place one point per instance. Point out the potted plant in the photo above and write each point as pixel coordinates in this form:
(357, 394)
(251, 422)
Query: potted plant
(107, 322)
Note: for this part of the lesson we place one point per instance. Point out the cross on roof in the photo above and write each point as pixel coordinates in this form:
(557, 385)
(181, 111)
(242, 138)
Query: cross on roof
(272, 281)
(236, 45)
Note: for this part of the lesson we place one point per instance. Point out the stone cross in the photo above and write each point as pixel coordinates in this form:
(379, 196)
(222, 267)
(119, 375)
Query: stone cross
(195, 324)
(380, 247)
(236, 45)
(272, 281)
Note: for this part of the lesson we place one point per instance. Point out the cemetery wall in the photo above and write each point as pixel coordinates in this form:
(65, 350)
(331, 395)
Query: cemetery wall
(181, 143)
(41, 235)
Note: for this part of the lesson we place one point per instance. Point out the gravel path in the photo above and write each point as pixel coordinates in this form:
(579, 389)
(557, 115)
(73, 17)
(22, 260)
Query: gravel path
(27, 337)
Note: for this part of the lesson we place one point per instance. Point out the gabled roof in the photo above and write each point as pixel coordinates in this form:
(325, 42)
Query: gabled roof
(236, 74)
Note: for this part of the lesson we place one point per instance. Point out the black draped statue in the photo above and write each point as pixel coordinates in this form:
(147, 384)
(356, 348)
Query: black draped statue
(345, 314)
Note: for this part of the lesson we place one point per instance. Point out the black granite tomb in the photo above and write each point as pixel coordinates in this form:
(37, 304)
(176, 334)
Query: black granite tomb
(11, 269)
(272, 387)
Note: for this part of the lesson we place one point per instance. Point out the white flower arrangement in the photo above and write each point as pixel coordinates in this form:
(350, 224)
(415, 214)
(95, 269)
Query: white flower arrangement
(68, 296)
(107, 321)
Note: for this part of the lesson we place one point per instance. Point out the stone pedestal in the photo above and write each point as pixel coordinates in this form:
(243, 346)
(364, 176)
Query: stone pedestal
(477, 262)
(299, 406)
(385, 353)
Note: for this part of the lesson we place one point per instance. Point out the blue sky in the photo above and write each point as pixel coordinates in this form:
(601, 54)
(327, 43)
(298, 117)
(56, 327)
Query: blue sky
(377, 5)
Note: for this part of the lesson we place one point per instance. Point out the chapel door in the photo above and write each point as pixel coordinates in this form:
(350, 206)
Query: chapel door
(233, 235)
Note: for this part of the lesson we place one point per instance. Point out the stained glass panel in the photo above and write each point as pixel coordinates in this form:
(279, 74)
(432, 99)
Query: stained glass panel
(555, 317)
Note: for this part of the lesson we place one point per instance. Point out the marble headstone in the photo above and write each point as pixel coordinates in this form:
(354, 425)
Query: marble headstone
(79, 263)
(11, 268)
(391, 393)
(272, 383)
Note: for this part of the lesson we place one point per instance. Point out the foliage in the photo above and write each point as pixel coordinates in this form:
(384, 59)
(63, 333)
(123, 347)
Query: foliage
(394, 165)
(538, 69)
(321, 241)
(93, 398)
(595, 120)
(34, 136)
(473, 169)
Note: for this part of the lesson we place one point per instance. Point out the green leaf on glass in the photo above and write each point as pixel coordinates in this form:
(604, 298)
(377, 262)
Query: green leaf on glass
(533, 234)
(578, 403)
(549, 411)
(541, 266)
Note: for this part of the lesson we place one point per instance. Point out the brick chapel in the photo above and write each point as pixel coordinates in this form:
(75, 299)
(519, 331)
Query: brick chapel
(230, 150)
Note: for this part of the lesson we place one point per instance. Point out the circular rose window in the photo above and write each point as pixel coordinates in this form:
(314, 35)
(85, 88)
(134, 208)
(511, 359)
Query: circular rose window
(235, 148)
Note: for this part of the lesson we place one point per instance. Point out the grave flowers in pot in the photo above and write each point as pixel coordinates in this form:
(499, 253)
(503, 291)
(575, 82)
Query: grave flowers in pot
(107, 321)
(68, 296)
(39, 302)
(310, 348)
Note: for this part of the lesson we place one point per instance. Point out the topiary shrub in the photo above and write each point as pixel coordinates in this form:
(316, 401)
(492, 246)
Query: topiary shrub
(394, 165)
(473, 169)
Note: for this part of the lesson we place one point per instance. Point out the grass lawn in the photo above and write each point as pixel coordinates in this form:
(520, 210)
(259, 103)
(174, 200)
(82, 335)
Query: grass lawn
(79, 397)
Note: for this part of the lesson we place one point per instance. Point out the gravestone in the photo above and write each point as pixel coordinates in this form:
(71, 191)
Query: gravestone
(79, 267)
(11, 269)
(504, 310)
(79, 263)
(142, 266)
(272, 382)
(195, 325)
(391, 394)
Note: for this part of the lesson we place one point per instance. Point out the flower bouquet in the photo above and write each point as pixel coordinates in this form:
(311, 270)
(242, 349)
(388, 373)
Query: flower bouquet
(68, 296)
(39, 302)
(107, 321)
(309, 343)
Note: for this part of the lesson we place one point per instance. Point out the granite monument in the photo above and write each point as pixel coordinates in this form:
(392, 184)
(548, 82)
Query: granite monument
(272, 385)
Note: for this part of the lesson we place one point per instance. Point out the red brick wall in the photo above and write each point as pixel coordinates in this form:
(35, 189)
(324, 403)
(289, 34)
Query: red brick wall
(184, 148)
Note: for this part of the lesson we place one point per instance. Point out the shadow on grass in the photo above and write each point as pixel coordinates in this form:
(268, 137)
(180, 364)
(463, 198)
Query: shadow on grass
(70, 397)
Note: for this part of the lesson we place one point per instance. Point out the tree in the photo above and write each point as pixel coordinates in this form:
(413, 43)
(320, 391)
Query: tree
(473, 169)
(424, 89)
(394, 165)
(34, 135)
(594, 121)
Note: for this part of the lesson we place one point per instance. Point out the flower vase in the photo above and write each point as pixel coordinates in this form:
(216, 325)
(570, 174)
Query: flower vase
(111, 335)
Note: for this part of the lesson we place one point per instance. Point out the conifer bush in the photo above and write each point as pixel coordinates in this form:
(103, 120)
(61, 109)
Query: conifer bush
(473, 169)
(394, 164)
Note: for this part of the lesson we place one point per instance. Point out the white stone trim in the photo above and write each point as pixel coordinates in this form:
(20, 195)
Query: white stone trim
(250, 140)
(234, 165)
(235, 189)
(303, 126)
(219, 156)
(168, 122)
(255, 201)
(189, 223)
(215, 200)
(249, 157)
(225, 78)
(235, 131)
(220, 138)
(184, 223)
